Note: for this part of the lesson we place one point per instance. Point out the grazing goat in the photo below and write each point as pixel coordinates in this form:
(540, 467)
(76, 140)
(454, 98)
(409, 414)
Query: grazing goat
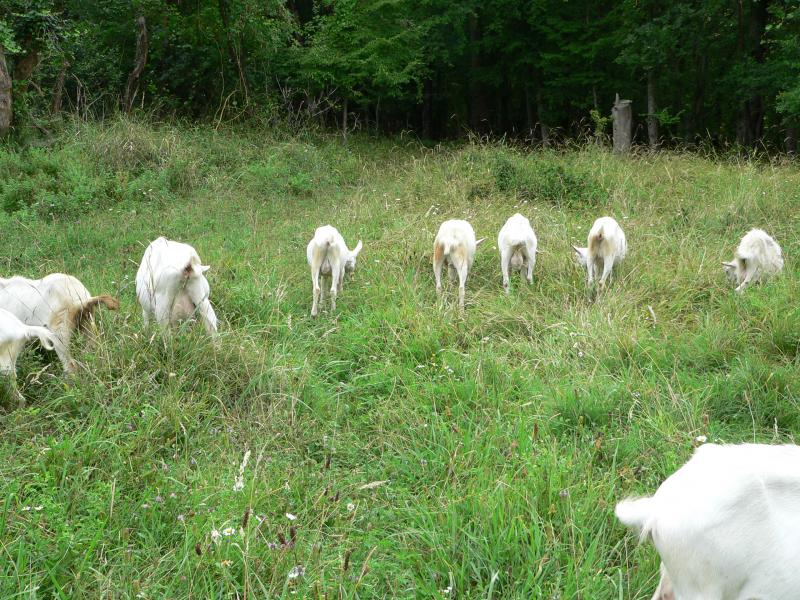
(517, 245)
(757, 257)
(171, 285)
(606, 246)
(57, 301)
(455, 246)
(726, 524)
(328, 256)
(14, 334)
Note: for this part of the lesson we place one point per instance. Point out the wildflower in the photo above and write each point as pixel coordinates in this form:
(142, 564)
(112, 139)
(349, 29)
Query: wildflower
(297, 571)
(226, 563)
(701, 439)
(290, 516)
(181, 518)
(159, 499)
(228, 531)
(563, 494)
(145, 506)
(173, 495)
(351, 507)
(215, 536)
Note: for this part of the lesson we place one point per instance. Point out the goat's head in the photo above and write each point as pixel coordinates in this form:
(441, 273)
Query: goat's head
(350, 265)
(581, 255)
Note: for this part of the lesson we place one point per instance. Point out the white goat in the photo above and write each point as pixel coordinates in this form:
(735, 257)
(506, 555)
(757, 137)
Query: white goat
(517, 244)
(726, 524)
(328, 256)
(14, 334)
(455, 246)
(757, 257)
(171, 285)
(57, 301)
(606, 246)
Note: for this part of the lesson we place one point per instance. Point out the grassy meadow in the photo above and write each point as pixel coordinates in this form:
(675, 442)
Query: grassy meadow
(396, 450)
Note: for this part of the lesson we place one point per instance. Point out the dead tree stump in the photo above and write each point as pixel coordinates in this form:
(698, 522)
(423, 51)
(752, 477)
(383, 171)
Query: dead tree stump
(622, 113)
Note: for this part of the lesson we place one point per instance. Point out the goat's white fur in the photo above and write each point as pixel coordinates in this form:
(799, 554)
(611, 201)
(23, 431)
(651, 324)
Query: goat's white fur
(726, 524)
(57, 301)
(171, 285)
(328, 256)
(605, 247)
(757, 257)
(455, 247)
(517, 245)
(14, 334)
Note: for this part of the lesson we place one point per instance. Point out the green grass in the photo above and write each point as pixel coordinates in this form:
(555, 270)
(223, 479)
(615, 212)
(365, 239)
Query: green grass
(502, 440)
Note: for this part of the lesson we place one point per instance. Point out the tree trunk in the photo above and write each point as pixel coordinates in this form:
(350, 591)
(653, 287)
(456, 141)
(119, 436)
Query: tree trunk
(791, 140)
(622, 113)
(543, 127)
(58, 91)
(344, 118)
(427, 108)
(132, 87)
(652, 121)
(24, 69)
(234, 54)
(529, 121)
(5, 95)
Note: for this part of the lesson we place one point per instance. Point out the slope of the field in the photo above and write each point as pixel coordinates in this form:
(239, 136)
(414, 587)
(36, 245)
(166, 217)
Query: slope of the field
(395, 449)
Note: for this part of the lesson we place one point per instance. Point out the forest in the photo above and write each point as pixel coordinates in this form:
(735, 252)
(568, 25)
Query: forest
(709, 72)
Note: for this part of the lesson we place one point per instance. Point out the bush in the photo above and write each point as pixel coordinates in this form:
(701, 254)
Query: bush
(540, 179)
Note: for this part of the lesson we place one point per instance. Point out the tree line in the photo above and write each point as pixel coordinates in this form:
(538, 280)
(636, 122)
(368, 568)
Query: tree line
(710, 71)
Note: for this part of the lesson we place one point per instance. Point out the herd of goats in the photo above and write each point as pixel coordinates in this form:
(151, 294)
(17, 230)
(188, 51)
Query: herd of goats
(726, 525)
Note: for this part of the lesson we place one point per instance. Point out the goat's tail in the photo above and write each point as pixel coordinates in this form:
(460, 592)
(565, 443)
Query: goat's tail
(46, 337)
(596, 238)
(79, 314)
(638, 514)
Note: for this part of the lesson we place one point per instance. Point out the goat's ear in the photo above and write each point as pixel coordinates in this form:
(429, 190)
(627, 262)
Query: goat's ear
(728, 265)
(357, 249)
(479, 242)
(188, 270)
(204, 268)
(577, 250)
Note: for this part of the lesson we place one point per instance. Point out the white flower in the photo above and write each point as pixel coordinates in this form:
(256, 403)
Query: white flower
(351, 507)
(181, 518)
(215, 536)
(701, 439)
(297, 571)
(291, 517)
(228, 531)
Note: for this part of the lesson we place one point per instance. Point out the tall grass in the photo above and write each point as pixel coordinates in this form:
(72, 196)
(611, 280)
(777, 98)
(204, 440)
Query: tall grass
(397, 450)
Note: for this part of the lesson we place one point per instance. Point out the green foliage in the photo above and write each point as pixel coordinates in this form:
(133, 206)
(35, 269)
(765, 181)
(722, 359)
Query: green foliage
(415, 451)
(548, 181)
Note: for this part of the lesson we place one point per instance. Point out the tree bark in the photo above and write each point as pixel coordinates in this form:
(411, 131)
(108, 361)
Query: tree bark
(232, 51)
(791, 140)
(132, 87)
(24, 69)
(5, 96)
(652, 121)
(344, 118)
(427, 108)
(622, 113)
(529, 121)
(58, 91)
(543, 127)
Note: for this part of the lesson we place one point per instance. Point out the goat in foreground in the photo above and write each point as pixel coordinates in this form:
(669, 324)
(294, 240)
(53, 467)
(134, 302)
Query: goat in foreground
(14, 334)
(454, 246)
(517, 245)
(726, 524)
(606, 246)
(172, 287)
(328, 256)
(757, 257)
(57, 301)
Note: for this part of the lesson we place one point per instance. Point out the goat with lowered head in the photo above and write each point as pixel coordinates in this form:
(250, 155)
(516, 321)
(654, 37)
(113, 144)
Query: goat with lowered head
(58, 301)
(328, 256)
(172, 287)
(726, 524)
(455, 247)
(14, 334)
(605, 247)
(757, 258)
(517, 244)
